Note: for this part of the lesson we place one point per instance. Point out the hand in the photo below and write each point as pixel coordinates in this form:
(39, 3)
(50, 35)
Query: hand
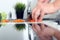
(44, 32)
(36, 11)
(41, 9)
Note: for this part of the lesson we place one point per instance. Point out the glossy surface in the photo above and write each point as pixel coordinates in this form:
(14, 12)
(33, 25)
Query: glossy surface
(10, 32)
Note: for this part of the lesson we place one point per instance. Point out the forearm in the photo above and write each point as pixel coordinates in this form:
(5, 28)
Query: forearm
(57, 34)
(57, 4)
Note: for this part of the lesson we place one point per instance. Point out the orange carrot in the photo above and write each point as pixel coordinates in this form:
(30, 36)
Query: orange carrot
(5, 21)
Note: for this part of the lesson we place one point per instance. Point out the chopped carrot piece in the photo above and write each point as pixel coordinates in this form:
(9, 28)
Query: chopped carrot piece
(18, 20)
(32, 21)
(5, 21)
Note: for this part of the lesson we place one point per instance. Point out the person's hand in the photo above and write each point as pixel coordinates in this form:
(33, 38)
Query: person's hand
(37, 10)
(41, 9)
(44, 32)
(36, 13)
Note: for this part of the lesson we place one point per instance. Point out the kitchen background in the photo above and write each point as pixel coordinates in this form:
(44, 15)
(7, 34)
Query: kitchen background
(33, 4)
(8, 6)
(7, 32)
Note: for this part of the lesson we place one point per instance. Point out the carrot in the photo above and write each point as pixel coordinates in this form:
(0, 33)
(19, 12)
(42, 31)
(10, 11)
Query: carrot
(18, 20)
(5, 21)
(32, 21)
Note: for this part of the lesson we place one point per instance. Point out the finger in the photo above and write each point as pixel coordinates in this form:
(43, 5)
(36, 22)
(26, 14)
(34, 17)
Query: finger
(42, 26)
(33, 13)
(41, 16)
(37, 14)
(33, 27)
(37, 27)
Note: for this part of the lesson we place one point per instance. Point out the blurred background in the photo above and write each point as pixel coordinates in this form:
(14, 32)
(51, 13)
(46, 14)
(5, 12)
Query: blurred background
(20, 9)
(8, 6)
